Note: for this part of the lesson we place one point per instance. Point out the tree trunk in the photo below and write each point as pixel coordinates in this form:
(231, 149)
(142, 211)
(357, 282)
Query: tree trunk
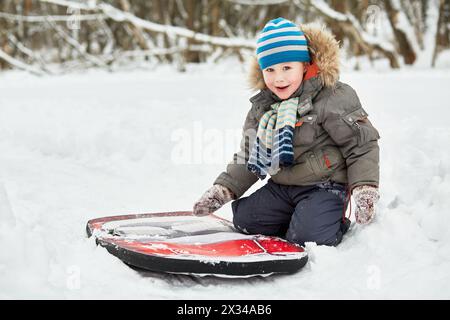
(137, 32)
(191, 56)
(440, 32)
(339, 6)
(215, 18)
(404, 46)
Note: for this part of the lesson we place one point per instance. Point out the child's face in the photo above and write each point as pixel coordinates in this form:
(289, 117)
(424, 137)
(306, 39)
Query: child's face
(284, 79)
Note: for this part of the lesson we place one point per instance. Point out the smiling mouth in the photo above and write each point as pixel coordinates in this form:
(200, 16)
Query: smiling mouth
(282, 88)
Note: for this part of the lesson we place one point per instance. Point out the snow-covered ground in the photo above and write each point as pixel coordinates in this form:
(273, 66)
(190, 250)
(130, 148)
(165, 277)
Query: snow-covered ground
(81, 146)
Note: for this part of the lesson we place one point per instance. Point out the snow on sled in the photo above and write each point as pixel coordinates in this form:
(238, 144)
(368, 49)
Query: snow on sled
(179, 242)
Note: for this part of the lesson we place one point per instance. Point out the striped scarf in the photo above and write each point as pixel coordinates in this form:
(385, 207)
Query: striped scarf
(273, 145)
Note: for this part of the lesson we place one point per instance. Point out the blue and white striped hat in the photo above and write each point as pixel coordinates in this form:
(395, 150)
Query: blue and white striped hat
(281, 41)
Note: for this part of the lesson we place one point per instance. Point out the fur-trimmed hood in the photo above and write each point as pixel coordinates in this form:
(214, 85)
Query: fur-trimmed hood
(324, 51)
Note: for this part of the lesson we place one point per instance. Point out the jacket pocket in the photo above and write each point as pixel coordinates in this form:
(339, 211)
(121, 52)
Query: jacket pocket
(305, 131)
(324, 161)
(300, 173)
(361, 126)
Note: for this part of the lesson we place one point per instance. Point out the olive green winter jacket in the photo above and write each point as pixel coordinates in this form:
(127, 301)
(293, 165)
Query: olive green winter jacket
(333, 139)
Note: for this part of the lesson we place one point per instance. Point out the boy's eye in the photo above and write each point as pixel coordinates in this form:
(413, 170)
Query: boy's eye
(286, 68)
(269, 70)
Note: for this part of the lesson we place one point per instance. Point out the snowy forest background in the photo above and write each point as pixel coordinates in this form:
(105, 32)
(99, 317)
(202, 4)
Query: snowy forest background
(55, 36)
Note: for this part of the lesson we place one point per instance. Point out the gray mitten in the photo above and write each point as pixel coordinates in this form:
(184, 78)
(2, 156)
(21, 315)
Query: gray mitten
(213, 199)
(366, 198)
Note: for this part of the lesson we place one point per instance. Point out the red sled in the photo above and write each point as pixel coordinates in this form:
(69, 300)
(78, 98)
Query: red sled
(179, 242)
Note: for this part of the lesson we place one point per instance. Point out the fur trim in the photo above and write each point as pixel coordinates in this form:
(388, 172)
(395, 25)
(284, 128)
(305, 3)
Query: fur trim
(324, 51)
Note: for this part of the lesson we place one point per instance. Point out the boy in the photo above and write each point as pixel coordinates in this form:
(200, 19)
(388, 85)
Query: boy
(312, 137)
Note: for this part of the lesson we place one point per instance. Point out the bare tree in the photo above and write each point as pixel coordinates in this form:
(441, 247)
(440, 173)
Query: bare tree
(442, 40)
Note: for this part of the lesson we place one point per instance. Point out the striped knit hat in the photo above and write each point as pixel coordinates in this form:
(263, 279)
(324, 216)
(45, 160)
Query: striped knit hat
(281, 41)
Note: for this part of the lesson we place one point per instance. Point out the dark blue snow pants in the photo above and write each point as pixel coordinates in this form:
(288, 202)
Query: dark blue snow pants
(298, 214)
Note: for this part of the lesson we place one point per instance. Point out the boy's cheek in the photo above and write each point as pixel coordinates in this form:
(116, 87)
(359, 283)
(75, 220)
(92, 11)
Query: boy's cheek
(270, 86)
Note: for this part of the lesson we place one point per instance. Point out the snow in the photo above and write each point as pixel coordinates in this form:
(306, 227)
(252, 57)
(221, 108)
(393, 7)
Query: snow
(87, 145)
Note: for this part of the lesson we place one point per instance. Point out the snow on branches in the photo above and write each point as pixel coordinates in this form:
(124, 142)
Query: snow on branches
(60, 35)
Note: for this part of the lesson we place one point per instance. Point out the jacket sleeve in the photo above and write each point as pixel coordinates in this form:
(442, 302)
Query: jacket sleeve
(236, 177)
(348, 125)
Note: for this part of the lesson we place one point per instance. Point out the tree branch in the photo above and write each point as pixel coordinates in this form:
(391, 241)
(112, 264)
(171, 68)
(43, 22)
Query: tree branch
(82, 17)
(351, 26)
(121, 16)
(19, 64)
(76, 45)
